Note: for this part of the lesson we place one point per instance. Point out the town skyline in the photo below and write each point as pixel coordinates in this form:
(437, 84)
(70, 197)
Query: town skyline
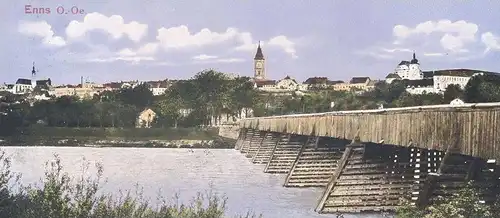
(112, 42)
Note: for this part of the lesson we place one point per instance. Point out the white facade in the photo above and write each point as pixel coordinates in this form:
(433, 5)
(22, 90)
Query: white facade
(457, 101)
(441, 82)
(158, 91)
(420, 90)
(409, 69)
(286, 84)
(18, 89)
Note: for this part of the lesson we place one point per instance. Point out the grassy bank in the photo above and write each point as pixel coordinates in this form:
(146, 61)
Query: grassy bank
(40, 132)
(117, 137)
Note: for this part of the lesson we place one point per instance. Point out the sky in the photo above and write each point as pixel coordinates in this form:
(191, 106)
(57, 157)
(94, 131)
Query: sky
(120, 40)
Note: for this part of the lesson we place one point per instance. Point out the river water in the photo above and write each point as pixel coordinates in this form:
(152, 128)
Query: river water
(170, 171)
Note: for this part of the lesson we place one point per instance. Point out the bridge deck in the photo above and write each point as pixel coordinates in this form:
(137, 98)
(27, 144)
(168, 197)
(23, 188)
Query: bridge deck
(474, 128)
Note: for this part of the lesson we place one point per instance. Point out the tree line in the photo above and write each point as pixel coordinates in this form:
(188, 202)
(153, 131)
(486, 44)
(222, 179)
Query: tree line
(212, 95)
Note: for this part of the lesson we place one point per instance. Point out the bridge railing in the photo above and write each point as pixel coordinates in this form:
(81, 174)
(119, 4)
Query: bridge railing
(474, 127)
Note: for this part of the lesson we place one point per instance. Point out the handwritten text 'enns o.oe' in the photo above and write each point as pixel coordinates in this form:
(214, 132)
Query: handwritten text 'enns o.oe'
(29, 9)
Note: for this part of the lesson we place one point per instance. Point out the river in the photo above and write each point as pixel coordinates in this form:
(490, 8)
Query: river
(169, 171)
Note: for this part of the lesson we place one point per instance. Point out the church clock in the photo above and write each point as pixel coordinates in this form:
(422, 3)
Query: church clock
(258, 65)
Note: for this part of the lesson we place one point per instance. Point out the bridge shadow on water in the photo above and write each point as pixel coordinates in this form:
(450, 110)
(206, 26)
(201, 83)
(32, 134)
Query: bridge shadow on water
(365, 179)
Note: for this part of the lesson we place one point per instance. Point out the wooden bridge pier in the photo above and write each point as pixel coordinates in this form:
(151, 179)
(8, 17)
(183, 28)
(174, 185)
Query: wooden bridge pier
(366, 177)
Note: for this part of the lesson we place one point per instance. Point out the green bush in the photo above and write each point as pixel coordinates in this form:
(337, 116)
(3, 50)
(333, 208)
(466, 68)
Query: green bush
(465, 203)
(62, 196)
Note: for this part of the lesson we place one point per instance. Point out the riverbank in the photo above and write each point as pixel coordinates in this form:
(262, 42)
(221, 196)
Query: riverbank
(116, 137)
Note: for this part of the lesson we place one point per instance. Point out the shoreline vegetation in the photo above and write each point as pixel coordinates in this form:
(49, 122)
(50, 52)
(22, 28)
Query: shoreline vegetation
(60, 195)
(119, 137)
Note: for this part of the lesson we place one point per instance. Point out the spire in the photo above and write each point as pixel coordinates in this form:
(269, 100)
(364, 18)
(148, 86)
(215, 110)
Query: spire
(259, 55)
(414, 60)
(33, 72)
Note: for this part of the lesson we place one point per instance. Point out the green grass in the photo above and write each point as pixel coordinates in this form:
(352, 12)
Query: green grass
(37, 132)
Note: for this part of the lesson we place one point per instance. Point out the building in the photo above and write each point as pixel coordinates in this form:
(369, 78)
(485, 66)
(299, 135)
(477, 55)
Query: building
(84, 90)
(26, 86)
(420, 82)
(316, 83)
(259, 65)
(158, 87)
(145, 118)
(285, 85)
(409, 69)
(356, 83)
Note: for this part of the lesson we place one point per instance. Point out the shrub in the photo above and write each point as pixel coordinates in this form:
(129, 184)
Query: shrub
(465, 203)
(59, 195)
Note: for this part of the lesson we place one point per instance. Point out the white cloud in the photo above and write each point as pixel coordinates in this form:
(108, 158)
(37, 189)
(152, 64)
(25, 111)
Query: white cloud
(282, 42)
(41, 29)
(396, 50)
(134, 60)
(436, 54)
(168, 39)
(204, 57)
(455, 34)
(113, 25)
(219, 60)
(491, 41)
(229, 60)
(181, 37)
(442, 38)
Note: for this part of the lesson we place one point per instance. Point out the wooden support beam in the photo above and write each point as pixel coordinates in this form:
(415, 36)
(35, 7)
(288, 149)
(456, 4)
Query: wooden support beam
(473, 169)
(356, 143)
(247, 139)
(430, 182)
(241, 138)
(274, 149)
(260, 146)
(309, 139)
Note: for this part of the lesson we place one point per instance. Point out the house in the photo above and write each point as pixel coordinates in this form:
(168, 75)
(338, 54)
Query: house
(145, 118)
(457, 101)
(85, 90)
(391, 77)
(158, 87)
(361, 83)
(285, 85)
(264, 84)
(315, 83)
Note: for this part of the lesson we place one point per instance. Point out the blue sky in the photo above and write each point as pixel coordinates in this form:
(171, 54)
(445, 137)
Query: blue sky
(151, 39)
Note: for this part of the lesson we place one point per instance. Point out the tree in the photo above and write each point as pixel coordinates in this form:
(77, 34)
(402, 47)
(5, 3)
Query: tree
(139, 96)
(452, 92)
(482, 88)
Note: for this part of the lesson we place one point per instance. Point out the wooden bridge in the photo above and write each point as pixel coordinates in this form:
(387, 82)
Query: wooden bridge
(368, 160)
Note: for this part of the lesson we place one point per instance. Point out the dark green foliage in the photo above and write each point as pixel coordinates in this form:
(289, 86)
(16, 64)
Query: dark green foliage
(464, 203)
(211, 95)
(452, 92)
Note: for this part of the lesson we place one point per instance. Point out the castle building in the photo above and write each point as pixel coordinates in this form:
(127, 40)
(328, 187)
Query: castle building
(259, 65)
(409, 69)
(436, 81)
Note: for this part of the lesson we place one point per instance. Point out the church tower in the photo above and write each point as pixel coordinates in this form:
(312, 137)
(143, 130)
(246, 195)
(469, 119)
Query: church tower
(33, 76)
(259, 65)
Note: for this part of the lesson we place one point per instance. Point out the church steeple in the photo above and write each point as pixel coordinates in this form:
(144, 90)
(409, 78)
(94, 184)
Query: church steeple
(414, 60)
(33, 72)
(259, 65)
(259, 55)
